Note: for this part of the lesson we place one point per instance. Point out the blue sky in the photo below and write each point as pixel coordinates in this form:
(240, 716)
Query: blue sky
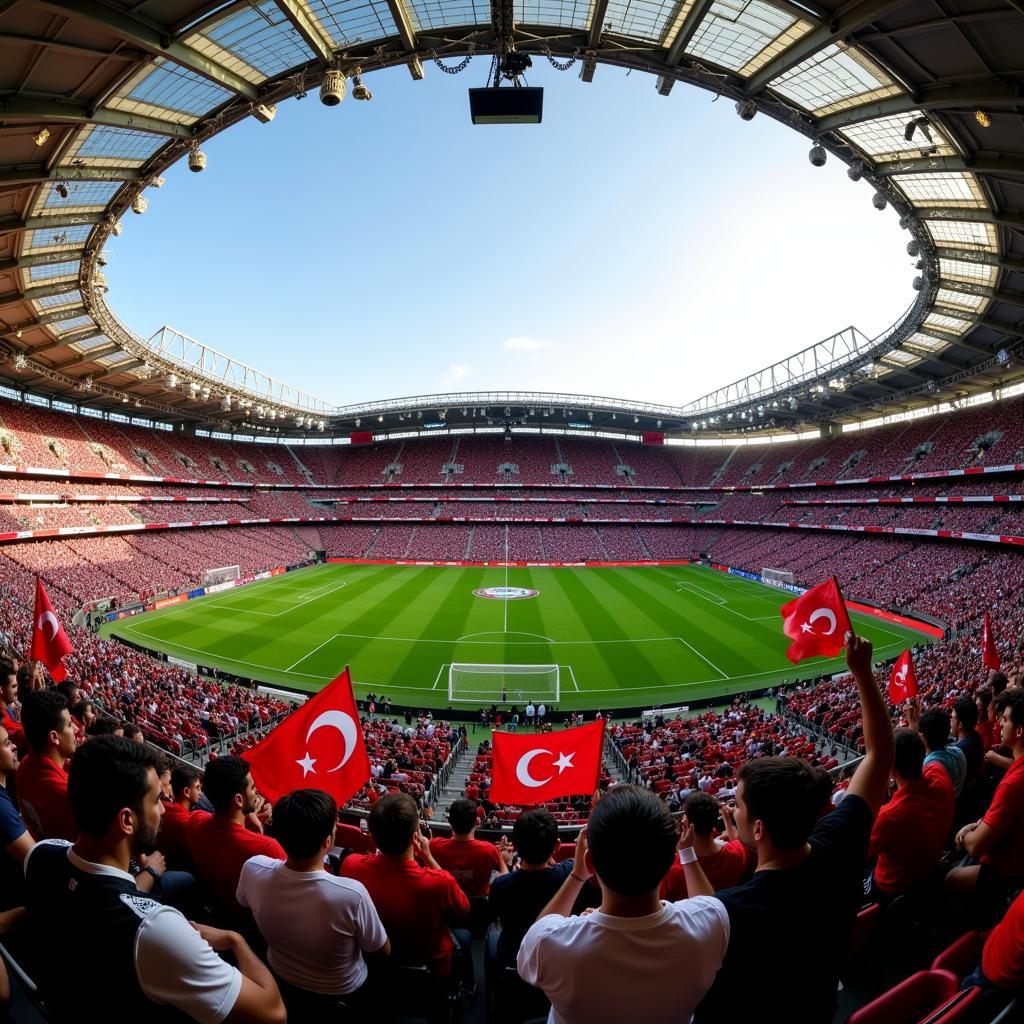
(632, 245)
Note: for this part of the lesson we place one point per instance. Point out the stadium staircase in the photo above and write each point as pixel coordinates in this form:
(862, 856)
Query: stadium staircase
(299, 464)
(456, 783)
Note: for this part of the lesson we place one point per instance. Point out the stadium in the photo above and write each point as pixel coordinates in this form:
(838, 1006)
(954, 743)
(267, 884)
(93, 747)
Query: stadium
(213, 546)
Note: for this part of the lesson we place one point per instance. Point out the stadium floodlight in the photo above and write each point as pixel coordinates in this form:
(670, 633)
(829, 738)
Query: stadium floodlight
(115, 227)
(332, 88)
(913, 248)
(793, 403)
(359, 90)
(918, 283)
(921, 123)
(88, 384)
(41, 136)
(746, 109)
(171, 381)
(225, 403)
(140, 204)
(20, 362)
(1004, 358)
(905, 221)
(856, 170)
(320, 426)
(979, 115)
(196, 160)
(817, 155)
(61, 189)
(158, 182)
(359, 422)
(879, 201)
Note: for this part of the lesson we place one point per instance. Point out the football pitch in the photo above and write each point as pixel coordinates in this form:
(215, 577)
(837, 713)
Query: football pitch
(622, 637)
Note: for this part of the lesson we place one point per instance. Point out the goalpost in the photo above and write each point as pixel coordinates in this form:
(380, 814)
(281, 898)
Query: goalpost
(497, 684)
(223, 574)
(776, 576)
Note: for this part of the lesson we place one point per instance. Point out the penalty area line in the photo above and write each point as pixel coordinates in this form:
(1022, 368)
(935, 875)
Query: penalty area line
(707, 661)
(333, 636)
(438, 679)
(572, 676)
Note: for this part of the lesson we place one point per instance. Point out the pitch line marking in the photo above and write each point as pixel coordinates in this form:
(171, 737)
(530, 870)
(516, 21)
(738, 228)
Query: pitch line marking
(707, 661)
(572, 676)
(468, 637)
(312, 652)
(438, 679)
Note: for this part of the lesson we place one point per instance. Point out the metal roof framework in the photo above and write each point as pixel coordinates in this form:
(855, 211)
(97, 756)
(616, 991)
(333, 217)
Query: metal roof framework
(923, 98)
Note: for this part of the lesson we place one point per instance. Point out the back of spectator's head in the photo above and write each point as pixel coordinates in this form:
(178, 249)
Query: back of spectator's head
(132, 732)
(933, 725)
(225, 779)
(983, 696)
(966, 712)
(71, 691)
(393, 822)
(998, 682)
(535, 836)
(104, 725)
(702, 812)
(786, 795)
(303, 820)
(28, 679)
(183, 776)
(909, 757)
(42, 713)
(106, 776)
(6, 671)
(462, 816)
(631, 839)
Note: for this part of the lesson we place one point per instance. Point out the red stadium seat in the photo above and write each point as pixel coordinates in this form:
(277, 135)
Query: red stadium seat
(911, 1001)
(962, 956)
(353, 838)
(564, 851)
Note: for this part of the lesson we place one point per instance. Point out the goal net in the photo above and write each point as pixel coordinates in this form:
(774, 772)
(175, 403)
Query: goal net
(502, 684)
(776, 576)
(224, 574)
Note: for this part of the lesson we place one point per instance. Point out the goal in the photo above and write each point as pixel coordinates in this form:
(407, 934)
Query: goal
(224, 574)
(502, 684)
(777, 576)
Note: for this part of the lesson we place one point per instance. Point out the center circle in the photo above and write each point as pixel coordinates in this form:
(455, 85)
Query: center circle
(506, 593)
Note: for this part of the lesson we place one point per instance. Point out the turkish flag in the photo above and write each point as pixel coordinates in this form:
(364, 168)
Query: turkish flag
(989, 655)
(816, 622)
(533, 769)
(902, 680)
(50, 643)
(318, 746)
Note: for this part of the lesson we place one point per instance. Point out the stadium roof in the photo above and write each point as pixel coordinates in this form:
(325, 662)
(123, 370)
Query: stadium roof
(924, 98)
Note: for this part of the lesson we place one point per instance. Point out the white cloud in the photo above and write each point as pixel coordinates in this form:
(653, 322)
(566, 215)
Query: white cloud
(523, 344)
(455, 373)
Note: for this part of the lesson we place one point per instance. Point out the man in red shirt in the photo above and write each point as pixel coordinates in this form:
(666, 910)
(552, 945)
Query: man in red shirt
(42, 779)
(186, 785)
(470, 861)
(10, 716)
(220, 843)
(997, 838)
(417, 904)
(910, 831)
(1002, 960)
(726, 862)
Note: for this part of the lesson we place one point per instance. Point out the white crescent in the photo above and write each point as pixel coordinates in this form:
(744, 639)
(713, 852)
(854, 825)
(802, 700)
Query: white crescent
(901, 675)
(824, 613)
(344, 724)
(49, 617)
(523, 768)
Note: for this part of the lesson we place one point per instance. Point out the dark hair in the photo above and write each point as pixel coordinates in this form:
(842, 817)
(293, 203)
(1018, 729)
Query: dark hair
(182, 776)
(103, 726)
(462, 816)
(909, 757)
(67, 687)
(984, 694)
(535, 836)
(966, 713)
(303, 820)
(26, 671)
(702, 812)
(106, 775)
(786, 795)
(393, 821)
(6, 670)
(933, 725)
(224, 780)
(81, 707)
(632, 840)
(998, 682)
(1013, 698)
(41, 713)
(132, 731)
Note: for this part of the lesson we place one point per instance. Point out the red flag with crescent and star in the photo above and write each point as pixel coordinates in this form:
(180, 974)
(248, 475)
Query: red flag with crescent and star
(318, 746)
(817, 622)
(902, 679)
(989, 655)
(50, 643)
(532, 769)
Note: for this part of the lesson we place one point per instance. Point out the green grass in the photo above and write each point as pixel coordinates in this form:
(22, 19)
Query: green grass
(621, 636)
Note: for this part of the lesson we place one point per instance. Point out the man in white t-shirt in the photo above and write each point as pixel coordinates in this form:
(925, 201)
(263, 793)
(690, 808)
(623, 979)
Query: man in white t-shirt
(317, 925)
(636, 956)
(530, 712)
(541, 712)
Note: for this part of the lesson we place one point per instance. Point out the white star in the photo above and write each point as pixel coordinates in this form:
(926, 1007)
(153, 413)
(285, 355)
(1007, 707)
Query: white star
(564, 761)
(307, 765)
(807, 627)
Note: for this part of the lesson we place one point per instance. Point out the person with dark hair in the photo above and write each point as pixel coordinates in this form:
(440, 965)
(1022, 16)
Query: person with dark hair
(317, 952)
(31, 678)
(144, 951)
(186, 785)
(470, 861)
(220, 843)
(42, 781)
(910, 831)
(725, 862)
(104, 725)
(132, 732)
(15, 840)
(996, 839)
(933, 725)
(963, 722)
(418, 904)
(83, 714)
(10, 709)
(635, 957)
(809, 868)
(516, 898)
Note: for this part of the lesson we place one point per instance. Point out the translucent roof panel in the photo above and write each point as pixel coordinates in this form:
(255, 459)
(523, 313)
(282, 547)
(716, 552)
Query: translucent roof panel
(971, 234)
(835, 78)
(48, 271)
(946, 188)
(743, 35)
(107, 145)
(961, 300)
(883, 137)
(90, 343)
(900, 358)
(639, 19)
(946, 324)
(51, 302)
(569, 14)
(924, 343)
(260, 37)
(65, 326)
(52, 238)
(169, 87)
(353, 21)
(972, 273)
(81, 195)
(682, 12)
(115, 359)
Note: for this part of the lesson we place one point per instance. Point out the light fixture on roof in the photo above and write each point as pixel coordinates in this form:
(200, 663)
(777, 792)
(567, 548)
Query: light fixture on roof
(359, 90)
(856, 170)
(1004, 358)
(320, 425)
(793, 403)
(171, 381)
(139, 205)
(20, 362)
(115, 228)
(979, 115)
(918, 283)
(913, 248)
(879, 201)
(332, 88)
(636, 419)
(61, 189)
(912, 126)
(380, 419)
(358, 421)
(746, 109)
(158, 182)
(41, 136)
(225, 403)
(817, 155)
(124, 399)
(196, 159)
(905, 221)
(88, 384)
